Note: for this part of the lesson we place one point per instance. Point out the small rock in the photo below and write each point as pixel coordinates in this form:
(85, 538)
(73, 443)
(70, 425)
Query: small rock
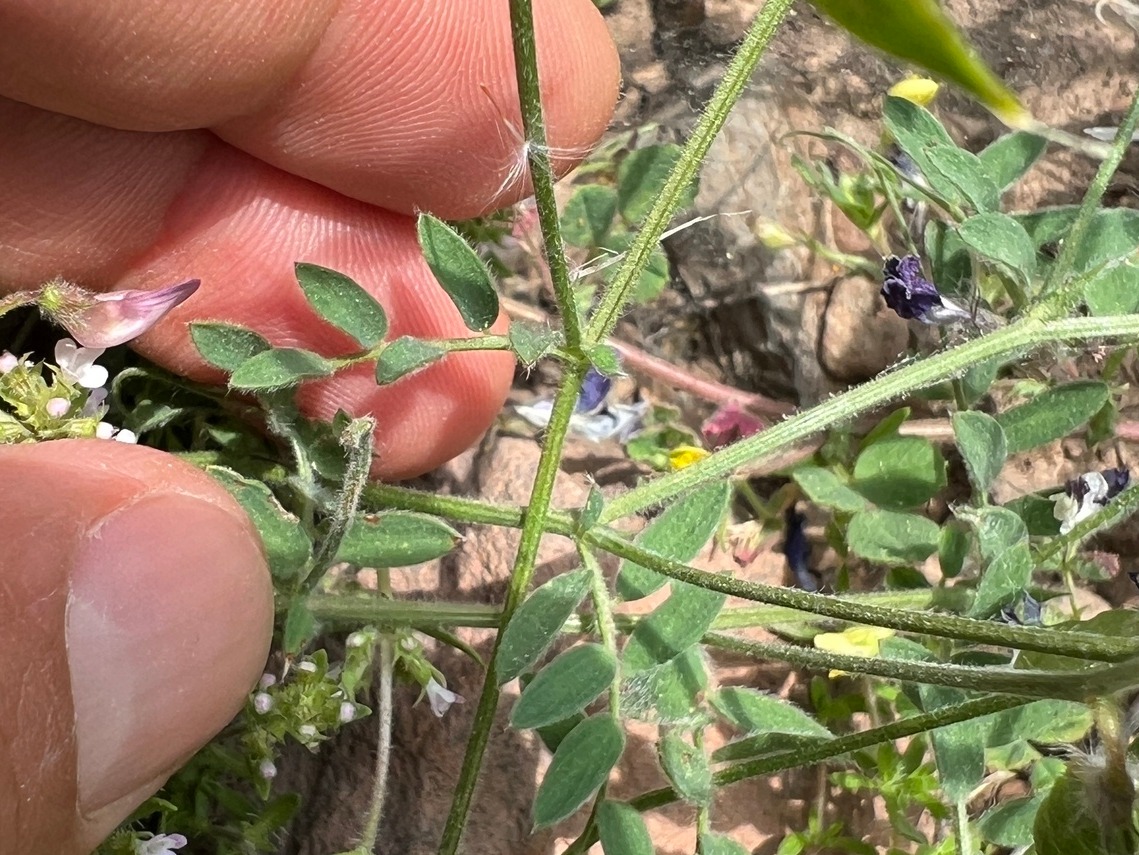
(860, 337)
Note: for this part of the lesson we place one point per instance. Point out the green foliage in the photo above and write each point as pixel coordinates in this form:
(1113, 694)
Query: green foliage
(600, 218)
(579, 767)
(569, 683)
(405, 356)
(678, 533)
(460, 271)
(537, 622)
(919, 31)
(622, 830)
(343, 303)
(983, 446)
(395, 539)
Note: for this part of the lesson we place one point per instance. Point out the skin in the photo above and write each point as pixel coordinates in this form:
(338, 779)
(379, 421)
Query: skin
(139, 147)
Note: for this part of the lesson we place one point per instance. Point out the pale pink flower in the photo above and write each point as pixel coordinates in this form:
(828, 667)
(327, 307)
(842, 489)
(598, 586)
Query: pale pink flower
(114, 318)
(57, 407)
(160, 844)
(8, 361)
(268, 770)
(440, 697)
(347, 712)
(262, 702)
(77, 364)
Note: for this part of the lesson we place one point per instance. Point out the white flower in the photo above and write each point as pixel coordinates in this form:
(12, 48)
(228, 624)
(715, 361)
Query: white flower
(7, 362)
(268, 770)
(1086, 495)
(77, 364)
(262, 702)
(357, 639)
(308, 731)
(106, 430)
(347, 712)
(267, 680)
(57, 407)
(621, 421)
(160, 844)
(440, 697)
(308, 666)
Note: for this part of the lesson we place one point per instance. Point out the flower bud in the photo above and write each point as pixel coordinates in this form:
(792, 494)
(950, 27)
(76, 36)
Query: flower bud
(110, 319)
(918, 90)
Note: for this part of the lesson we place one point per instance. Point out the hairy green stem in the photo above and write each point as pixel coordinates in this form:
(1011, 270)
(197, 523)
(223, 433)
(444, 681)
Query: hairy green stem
(457, 509)
(1058, 685)
(731, 86)
(533, 526)
(541, 170)
(341, 611)
(1078, 644)
(384, 722)
(1019, 337)
(1074, 240)
(606, 625)
(357, 440)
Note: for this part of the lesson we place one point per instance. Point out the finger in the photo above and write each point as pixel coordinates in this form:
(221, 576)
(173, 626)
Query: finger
(403, 103)
(193, 207)
(241, 226)
(132, 638)
(428, 118)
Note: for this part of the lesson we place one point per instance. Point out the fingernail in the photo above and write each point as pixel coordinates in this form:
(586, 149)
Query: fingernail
(167, 627)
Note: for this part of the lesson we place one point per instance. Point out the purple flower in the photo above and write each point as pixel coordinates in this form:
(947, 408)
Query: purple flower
(797, 550)
(913, 296)
(594, 389)
(114, 318)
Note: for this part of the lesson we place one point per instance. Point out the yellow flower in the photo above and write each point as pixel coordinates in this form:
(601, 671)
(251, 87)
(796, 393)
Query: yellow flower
(919, 90)
(685, 455)
(853, 641)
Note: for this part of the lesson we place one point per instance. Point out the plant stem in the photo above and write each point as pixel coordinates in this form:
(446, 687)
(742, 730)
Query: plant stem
(383, 747)
(809, 754)
(457, 509)
(606, 627)
(1019, 337)
(357, 440)
(541, 171)
(346, 611)
(1057, 685)
(962, 838)
(533, 524)
(1074, 239)
(1078, 644)
(731, 86)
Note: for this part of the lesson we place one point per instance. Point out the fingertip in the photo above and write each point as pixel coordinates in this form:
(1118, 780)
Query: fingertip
(435, 124)
(144, 636)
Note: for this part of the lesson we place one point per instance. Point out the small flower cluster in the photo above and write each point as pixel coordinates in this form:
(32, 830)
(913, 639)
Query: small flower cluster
(68, 404)
(309, 703)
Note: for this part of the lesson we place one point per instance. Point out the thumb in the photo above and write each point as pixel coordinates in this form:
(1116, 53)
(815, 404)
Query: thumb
(135, 615)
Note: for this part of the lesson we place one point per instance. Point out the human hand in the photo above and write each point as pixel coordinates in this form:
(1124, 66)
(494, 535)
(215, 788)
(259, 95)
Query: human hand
(131, 637)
